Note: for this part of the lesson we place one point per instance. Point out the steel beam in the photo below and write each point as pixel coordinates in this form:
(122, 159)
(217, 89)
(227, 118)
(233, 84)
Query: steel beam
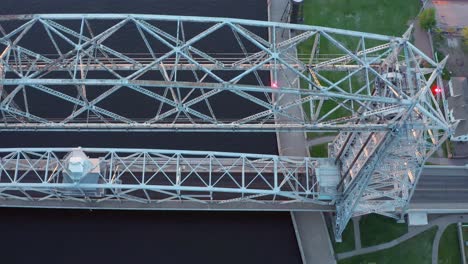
(373, 90)
(153, 176)
(187, 105)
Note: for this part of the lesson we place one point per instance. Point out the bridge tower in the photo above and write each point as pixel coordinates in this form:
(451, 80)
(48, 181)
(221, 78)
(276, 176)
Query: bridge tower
(380, 170)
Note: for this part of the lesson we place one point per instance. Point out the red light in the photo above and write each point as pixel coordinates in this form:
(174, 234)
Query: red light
(274, 85)
(436, 89)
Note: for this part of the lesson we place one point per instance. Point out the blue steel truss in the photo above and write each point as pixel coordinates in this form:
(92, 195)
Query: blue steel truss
(92, 175)
(373, 90)
(184, 81)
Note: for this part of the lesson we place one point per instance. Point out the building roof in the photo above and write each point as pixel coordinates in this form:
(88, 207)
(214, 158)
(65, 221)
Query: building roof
(451, 14)
(458, 104)
(459, 85)
(462, 129)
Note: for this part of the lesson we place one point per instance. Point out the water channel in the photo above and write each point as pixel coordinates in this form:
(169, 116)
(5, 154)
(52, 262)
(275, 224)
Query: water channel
(73, 236)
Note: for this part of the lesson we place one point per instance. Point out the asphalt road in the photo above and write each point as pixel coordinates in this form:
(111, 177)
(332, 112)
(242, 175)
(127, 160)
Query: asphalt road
(439, 184)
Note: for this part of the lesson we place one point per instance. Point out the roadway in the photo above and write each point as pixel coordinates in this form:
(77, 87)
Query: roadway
(442, 188)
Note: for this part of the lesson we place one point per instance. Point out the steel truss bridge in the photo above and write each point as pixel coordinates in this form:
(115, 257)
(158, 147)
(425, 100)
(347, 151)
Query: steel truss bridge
(121, 72)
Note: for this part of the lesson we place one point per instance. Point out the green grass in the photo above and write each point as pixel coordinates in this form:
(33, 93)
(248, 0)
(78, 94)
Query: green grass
(377, 229)
(446, 147)
(449, 250)
(438, 38)
(448, 144)
(347, 243)
(388, 17)
(465, 238)
(356, 82)
(312, 135)
(319, 151)
(416, 250)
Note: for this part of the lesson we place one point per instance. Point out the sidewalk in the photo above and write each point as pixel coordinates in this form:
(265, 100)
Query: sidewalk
(441, 223)
(445, 161)
(422, 39)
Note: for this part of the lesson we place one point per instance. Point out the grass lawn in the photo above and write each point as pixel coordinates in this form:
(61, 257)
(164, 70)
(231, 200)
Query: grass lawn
(416, 250)
(312, 135)
(347, 243)
(465, 236)
(377, 229)
(348, 240)
(319, 151)
(449, 250)
(388, 17)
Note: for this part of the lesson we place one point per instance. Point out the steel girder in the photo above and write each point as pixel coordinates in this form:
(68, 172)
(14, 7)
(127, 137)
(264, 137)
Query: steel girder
(374, 90)
(380, 170)
(80, 64)
(91, 176)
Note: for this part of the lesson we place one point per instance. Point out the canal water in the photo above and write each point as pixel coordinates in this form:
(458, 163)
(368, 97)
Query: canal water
(73, 236)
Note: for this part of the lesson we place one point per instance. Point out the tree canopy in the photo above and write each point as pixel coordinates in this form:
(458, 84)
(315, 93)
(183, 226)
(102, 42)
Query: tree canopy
(465, 37)
(427, 19)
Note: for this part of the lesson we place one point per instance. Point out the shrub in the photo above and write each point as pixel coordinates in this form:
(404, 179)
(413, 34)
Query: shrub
(427, 19)
(465, 37)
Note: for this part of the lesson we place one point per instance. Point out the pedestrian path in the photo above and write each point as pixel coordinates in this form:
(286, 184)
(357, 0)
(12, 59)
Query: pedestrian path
(441, 223)
(357, 232)
(319, 141)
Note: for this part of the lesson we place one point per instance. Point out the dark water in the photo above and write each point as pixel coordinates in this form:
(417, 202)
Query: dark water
(72, 236)
(69, 237)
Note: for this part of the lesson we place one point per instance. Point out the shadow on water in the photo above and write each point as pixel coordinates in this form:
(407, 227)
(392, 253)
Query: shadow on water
(65, 236)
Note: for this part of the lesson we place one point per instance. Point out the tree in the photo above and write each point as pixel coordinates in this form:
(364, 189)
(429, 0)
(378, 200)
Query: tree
(427, 19)
(465, 37)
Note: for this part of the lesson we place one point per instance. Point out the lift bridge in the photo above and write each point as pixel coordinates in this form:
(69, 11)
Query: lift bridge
(158, 73)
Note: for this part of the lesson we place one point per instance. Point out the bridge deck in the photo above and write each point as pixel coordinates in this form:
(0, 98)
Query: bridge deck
(170, 165)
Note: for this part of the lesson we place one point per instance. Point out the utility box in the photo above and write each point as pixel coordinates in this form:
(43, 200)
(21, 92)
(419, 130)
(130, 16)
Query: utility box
(417, 218)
